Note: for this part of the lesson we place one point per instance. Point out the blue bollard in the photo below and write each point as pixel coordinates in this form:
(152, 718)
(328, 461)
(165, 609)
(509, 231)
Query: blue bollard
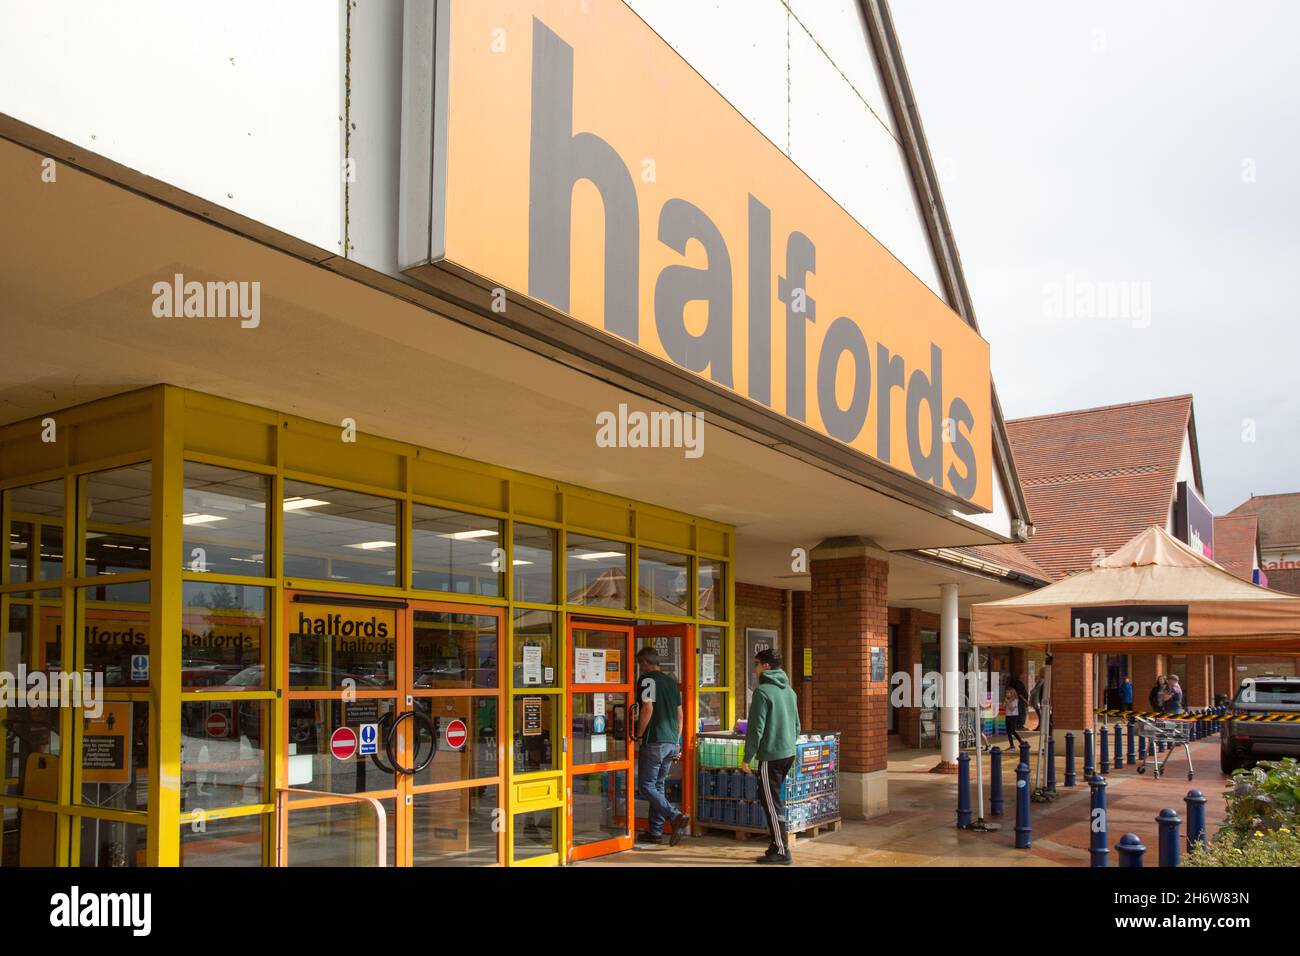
(1023, 828)
(1051, 764)
(1132, 746)
(1089, 764)
(1169, 823)
(963, 792)
(1130, 850)
(1118, 739)
(995, 782)
(1195, 802)
(1024, 753)
(1070, 779)
(1103, 743)
(1097, 822)
(1142, 748)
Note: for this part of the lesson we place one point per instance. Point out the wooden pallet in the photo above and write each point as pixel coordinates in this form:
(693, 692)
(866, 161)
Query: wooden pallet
(743, 834)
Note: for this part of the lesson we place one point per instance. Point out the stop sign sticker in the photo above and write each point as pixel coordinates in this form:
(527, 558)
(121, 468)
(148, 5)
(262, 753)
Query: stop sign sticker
(456, 734)
(343, 743)
(217, 724)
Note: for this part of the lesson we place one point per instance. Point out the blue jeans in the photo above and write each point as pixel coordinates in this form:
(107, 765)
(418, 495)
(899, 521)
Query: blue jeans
(655, 763)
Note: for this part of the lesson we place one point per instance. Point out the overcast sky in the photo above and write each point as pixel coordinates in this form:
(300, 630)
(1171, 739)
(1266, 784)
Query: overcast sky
(1096, 157)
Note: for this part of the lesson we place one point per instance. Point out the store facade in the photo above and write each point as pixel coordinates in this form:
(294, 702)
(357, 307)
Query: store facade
(566, 363)
(249, 583)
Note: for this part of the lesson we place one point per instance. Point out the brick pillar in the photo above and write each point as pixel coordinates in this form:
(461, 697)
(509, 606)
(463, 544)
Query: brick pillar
(850, 616)
(1196, 682)
(1072, 691)
(1225, 675)
(1145, 669)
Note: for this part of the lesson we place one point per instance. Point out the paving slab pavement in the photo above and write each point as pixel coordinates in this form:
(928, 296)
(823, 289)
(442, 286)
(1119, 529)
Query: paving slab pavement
(920, 828)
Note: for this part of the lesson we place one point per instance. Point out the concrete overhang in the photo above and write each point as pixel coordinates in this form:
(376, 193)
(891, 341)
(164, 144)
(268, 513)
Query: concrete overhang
(78, 261)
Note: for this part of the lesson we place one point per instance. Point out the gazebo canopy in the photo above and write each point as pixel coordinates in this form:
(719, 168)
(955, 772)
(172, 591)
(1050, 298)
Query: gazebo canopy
(1154, 595)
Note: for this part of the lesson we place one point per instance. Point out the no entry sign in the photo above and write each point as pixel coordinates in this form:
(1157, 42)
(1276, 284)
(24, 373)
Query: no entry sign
(217, 724)
(343, 743)
(456, 734)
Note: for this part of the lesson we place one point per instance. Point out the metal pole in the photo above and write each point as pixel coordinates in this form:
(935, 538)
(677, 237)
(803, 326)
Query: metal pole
(1097, 823)
(1023, 826)
(979, 730)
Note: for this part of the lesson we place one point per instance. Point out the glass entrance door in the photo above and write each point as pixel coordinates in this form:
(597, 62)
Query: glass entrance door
(398, 701)
(599, 776)
(675, 644)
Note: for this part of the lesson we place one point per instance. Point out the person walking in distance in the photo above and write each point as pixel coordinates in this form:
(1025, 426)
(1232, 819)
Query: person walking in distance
(773, 729)
(1011, 712)
(659, 728)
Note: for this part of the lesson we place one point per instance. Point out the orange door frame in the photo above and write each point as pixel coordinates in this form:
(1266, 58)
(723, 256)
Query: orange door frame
(624, 763)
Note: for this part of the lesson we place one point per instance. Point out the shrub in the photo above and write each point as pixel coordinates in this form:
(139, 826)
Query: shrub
(1265, 797)
(1280, 847)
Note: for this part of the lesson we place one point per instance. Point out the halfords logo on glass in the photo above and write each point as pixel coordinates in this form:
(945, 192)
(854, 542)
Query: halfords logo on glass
(581, 161)
(1168, 620)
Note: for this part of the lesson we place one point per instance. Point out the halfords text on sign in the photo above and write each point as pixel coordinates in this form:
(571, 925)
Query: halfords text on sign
(1129, 620)
(584, 163)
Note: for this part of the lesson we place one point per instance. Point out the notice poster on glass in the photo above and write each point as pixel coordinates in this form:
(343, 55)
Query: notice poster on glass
(589, 665)
(532, 664)
(706, 666)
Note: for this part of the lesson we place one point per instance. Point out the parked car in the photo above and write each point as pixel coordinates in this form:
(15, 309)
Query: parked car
(1244, 742)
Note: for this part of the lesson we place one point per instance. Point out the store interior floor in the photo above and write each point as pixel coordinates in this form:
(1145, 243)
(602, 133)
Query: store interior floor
(920, 828)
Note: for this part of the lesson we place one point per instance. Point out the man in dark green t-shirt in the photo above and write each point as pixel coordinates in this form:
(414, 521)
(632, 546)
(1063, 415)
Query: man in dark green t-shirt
(659, 729)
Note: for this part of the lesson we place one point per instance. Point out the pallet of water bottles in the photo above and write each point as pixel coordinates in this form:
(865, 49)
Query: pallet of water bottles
(729, 799)
(721, 813)
(738, 785)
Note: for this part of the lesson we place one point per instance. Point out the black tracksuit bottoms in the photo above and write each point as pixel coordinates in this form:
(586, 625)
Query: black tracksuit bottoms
(771, 774)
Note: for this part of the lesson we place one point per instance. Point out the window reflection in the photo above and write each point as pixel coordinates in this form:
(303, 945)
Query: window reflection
(337, 535)
(31, 508)
(456, 552)
(663, 582)
(596, 572)
(534, 564)
(454, 650)
(119, 509)
(224, 517)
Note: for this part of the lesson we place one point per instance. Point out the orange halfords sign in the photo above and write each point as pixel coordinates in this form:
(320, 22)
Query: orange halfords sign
(581, 161)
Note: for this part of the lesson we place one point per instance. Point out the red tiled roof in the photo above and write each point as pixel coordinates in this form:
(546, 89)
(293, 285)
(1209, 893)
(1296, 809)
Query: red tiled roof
(1094, 478)
(1235, 538)
(1279, 518)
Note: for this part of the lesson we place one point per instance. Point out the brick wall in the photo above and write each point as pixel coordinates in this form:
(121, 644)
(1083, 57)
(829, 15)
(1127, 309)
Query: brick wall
(756, 606)
(1144, 669)
(1196, 682)
(849, 617)
(1225, 675)
(1286, 579)
(1072, 691)
(802, 637)
(909, 624)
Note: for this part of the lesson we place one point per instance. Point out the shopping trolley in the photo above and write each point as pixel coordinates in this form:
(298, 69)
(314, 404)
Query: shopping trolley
(971, 724)
(1171, 733)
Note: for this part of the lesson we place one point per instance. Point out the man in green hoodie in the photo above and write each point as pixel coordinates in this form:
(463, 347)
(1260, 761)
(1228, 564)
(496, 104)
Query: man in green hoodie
(771, 732)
